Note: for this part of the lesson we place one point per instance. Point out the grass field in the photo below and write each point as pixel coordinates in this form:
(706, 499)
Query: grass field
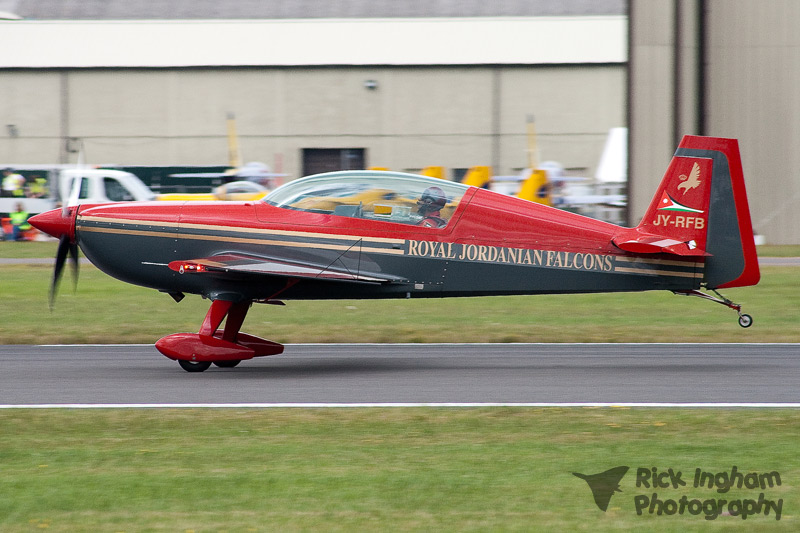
(416, 469)
(104, 310)
(506, 469)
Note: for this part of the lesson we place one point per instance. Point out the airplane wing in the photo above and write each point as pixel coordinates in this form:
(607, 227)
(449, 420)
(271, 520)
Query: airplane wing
(617, 200)
(199, 175)
(242, 173)
(239, 263)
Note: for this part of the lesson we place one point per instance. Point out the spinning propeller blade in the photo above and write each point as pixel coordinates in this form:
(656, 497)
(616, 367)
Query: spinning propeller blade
(65, 248)
(61, 258)
(63, 227)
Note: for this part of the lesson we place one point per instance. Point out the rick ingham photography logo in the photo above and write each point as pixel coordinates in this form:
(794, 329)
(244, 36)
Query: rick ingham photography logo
(671, 492)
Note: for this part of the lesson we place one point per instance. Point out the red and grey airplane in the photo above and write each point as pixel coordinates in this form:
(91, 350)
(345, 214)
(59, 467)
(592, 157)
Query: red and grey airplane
(373, 234)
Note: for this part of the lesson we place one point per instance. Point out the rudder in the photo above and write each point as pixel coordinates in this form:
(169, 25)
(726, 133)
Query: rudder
(700, 209)
(733, 261)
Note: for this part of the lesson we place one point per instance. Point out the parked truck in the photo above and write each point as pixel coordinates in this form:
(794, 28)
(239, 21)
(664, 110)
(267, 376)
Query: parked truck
(97, 185)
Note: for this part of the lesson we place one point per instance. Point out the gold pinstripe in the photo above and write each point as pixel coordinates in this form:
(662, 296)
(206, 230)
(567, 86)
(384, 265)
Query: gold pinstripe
(665, 262)
(647, 272)
(221, 238)
(289, 233)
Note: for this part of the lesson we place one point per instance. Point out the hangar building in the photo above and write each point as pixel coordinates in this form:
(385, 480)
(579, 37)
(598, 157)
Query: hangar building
(404, 84)
(313, 85)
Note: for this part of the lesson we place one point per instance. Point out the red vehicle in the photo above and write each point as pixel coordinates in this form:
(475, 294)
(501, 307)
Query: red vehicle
(372, 234)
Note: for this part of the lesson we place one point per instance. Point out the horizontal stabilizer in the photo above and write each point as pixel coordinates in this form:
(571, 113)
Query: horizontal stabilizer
(637, 242)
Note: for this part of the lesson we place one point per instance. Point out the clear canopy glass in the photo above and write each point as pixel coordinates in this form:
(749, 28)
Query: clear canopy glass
(387, 196)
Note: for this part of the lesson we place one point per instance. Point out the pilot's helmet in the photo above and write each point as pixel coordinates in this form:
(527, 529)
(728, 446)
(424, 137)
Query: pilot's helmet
(432, 199)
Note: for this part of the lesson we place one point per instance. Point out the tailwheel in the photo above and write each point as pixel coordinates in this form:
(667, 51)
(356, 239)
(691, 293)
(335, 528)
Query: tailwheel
(227, 364)
(194, 366)
(745, 320)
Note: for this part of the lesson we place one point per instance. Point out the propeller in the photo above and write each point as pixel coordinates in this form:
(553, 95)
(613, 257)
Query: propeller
(62, 226)
(65, 248)
(61, 223)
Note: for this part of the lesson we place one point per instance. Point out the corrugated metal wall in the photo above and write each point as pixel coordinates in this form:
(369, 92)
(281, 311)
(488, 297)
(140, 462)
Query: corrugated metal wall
(747, 90)
(754, 94)
(414, 116)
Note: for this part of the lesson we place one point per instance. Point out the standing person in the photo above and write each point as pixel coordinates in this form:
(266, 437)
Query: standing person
(37, 186)
(19, 222)
(13, 183)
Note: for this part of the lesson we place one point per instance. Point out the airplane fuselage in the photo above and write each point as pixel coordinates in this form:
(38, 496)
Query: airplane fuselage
(370, 234)
(515, 248)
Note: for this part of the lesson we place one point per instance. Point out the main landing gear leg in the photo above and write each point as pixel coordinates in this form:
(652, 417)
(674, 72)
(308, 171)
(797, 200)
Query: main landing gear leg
(226, 348)
(745, 320)
(236, 313)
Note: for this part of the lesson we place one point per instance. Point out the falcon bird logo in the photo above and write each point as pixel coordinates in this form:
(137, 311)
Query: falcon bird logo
(692, 181)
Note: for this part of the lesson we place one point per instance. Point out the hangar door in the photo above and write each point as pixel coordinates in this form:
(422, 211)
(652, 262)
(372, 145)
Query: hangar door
(318, 160)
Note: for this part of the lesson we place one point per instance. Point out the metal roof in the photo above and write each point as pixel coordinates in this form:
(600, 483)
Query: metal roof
(296, 9)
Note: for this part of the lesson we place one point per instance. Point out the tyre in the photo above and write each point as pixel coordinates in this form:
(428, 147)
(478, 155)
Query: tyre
(227, 364)
(194, 366)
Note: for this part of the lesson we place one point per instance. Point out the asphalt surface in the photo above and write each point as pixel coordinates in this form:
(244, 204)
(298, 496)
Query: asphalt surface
(417, 373)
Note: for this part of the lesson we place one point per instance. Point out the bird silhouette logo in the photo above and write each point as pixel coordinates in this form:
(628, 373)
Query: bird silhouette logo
(604, 484)
(692, 181)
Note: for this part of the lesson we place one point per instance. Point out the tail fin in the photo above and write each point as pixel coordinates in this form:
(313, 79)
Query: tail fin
(536, 187)
(700, 209)
(434, 172)
(478, 176)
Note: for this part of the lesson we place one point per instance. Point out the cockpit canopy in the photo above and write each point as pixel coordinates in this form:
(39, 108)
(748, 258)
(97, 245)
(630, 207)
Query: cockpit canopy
(375, 195)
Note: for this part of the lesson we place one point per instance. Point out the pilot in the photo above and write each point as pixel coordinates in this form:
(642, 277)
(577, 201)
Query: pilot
(429, 205)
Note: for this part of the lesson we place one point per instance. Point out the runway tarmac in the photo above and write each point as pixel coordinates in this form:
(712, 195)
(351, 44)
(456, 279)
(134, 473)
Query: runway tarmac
(410, 373)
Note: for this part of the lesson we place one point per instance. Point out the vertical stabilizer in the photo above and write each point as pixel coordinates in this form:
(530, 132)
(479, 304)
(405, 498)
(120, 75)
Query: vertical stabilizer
(700, 209)
(733, 261)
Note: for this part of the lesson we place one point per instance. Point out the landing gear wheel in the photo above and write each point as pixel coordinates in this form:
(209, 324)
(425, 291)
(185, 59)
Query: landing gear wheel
(194, 366)
(744, 320)
(227, 364)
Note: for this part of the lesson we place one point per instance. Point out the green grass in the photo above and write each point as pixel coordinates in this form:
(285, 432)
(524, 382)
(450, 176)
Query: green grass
(501, 469)
(505, 469)
(771, 250)
(27, 250)
(104, 310)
